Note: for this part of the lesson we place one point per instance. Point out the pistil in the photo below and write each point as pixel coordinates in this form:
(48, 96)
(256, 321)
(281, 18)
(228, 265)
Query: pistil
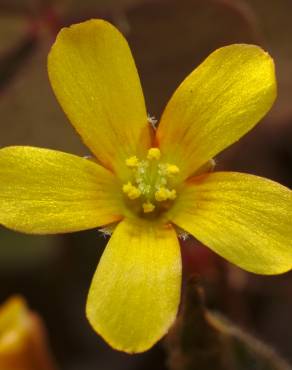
(150, 181)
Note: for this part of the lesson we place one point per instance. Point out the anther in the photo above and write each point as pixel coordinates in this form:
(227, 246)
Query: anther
(171, 194)
(153, 153)
(132, 191)
(171, 169)
(132, 162)
(148, 207)
(163, 194)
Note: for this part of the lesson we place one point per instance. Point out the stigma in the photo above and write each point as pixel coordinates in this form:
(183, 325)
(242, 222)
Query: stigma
(150, 185)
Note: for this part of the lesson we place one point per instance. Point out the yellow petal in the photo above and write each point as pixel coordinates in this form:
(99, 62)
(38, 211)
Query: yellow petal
(216, 104)
(135, 292)
(244, 218)
(94, 77)
(45, 191)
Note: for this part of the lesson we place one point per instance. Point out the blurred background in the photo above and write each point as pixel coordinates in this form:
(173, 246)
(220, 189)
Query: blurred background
(169, 38)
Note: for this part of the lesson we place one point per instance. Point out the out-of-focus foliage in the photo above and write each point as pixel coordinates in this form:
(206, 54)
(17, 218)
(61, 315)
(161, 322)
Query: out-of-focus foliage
(273, 21)
(11, 31)
(23, 252)
(201, 338)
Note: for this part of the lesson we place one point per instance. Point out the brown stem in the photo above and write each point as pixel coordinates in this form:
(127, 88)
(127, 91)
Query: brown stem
(204, 340)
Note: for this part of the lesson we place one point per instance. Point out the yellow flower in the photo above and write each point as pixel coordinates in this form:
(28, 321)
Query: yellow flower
(146, 182)
(23, 343)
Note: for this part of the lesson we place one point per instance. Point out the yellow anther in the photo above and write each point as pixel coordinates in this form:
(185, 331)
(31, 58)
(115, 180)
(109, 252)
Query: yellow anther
(153, 153)
(132, 162)
(161, 194)
(127, 187)
(132, 191)
(171, 169)
(165, 194)
(172, 194)
(148, 207)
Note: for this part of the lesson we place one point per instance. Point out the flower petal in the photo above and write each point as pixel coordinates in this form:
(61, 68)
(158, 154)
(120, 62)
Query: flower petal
(94, 77)
(216, 104)
(135, 291)
(244, 218)
(44, 191)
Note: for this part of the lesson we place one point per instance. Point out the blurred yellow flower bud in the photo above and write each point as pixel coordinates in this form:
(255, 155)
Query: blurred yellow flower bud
(23, 343)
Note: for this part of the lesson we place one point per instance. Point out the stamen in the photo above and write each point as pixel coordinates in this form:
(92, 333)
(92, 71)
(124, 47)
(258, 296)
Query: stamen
(172, 194)
(132, 191)
(151, 181)
(163, 194)
(171, 169)
(148, 207)
(153, 153)
(132, 162)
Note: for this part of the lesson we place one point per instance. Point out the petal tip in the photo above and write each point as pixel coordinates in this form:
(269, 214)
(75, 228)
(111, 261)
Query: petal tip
(118, 346)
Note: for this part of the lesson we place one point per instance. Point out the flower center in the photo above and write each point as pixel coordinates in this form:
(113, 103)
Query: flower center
(150, 189)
